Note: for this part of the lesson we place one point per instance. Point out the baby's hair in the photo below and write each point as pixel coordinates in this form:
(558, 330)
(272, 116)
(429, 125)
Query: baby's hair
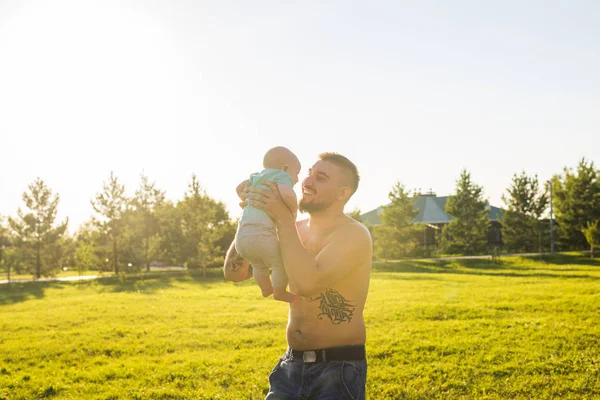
(278, 156)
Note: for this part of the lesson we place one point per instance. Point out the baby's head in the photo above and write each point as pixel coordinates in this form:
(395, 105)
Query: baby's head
(281, 158)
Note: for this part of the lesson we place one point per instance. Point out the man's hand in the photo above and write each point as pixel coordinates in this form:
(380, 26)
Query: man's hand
(243, 190)
(271, 202)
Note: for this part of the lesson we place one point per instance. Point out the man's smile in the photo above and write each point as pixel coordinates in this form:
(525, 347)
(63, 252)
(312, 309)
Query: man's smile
(307, 192)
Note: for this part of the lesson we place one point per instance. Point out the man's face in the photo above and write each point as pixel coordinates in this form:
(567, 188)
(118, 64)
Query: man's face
(320, 187)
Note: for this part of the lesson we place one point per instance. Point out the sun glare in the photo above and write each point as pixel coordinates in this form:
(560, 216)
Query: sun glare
(85, 62)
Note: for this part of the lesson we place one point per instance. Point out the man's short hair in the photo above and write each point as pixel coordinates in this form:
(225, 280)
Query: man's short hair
(350, 175)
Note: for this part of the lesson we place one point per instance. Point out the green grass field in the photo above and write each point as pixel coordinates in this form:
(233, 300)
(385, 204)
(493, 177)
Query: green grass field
(524, 329)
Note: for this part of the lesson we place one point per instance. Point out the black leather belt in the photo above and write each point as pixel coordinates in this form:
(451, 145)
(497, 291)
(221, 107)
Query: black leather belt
(345, 353)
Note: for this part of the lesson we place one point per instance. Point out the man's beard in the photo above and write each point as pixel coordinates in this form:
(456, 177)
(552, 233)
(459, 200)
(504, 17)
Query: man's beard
(306, 207)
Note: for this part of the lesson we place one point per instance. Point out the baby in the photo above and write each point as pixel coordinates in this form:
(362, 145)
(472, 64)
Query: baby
(256, 237)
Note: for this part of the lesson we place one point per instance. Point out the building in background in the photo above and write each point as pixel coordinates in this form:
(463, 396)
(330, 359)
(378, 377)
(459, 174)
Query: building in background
(431, 213)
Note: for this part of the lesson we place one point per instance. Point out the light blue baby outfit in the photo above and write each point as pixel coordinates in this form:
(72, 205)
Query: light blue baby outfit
(278, 177)
(256, 237)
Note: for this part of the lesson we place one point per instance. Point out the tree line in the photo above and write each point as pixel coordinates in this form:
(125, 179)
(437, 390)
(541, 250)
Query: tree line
(125, 234)
(523, 227)
(130, 233)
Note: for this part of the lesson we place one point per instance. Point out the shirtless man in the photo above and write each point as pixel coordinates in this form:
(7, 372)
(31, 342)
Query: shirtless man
(328, 262)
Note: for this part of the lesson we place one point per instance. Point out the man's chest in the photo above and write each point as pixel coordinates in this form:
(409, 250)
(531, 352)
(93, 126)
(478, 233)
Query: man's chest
(313, 242)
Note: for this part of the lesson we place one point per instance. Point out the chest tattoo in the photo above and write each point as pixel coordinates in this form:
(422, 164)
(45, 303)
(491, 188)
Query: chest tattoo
(335, 307)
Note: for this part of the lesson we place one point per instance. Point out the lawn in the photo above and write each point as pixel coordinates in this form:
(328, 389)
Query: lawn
(523, 328)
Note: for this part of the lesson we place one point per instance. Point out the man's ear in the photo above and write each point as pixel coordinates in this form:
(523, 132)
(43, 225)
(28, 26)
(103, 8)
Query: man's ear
(284, 167)
(344, 193)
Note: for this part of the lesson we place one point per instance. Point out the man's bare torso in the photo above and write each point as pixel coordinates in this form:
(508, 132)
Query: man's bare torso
(335, 316)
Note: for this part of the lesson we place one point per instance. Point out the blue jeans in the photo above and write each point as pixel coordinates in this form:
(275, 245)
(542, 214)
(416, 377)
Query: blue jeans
(293, 379)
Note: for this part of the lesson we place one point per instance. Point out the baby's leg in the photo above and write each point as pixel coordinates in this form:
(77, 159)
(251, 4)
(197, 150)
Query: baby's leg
(249, 243)
(280, 282)
(261, 275)
(282, 294)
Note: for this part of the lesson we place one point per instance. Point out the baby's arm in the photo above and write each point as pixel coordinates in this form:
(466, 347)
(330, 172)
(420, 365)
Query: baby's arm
(242, 191)
(289, 197)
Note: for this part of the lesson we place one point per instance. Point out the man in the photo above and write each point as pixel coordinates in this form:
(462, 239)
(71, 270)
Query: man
(328, 262)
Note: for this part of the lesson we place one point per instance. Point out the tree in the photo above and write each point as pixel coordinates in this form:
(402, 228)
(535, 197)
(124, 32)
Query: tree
(466, 233)
(396, 237)
(4, 238)
(11, 260)
(591, 233)
(90, 234)
(576, 201)
(35, 232)
(525, 205)
(171, 241)
(85, 257)
(111, 205)
(204, 223)
(385, 243)
(144, 222)
(5, 244)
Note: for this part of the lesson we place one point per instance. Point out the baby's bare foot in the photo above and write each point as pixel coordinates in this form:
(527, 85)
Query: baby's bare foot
(266, 292)
(264, 283)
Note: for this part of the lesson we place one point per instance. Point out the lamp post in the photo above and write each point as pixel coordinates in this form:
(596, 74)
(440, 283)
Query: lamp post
(551, 221)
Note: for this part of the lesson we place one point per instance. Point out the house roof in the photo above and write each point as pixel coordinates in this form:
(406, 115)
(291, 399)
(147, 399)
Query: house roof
(431, 210)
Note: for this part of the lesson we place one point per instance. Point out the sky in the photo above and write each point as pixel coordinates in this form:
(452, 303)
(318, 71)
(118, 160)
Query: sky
(411, 91)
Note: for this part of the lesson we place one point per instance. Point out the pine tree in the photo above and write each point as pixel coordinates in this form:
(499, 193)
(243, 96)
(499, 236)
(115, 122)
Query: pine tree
(111, 205)
(467, 231)
(576, 202)
(525, 205)
(145, 241)
(396, 237)
(385, 243)
(35, 232)
(171, 235)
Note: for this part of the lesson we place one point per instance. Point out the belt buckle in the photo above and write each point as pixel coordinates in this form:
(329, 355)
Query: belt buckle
(309, 356)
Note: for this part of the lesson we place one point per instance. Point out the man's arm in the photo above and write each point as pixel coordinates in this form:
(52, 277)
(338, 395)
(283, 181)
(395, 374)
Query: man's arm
(236, 268)
(289, 198)
(349, 247)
